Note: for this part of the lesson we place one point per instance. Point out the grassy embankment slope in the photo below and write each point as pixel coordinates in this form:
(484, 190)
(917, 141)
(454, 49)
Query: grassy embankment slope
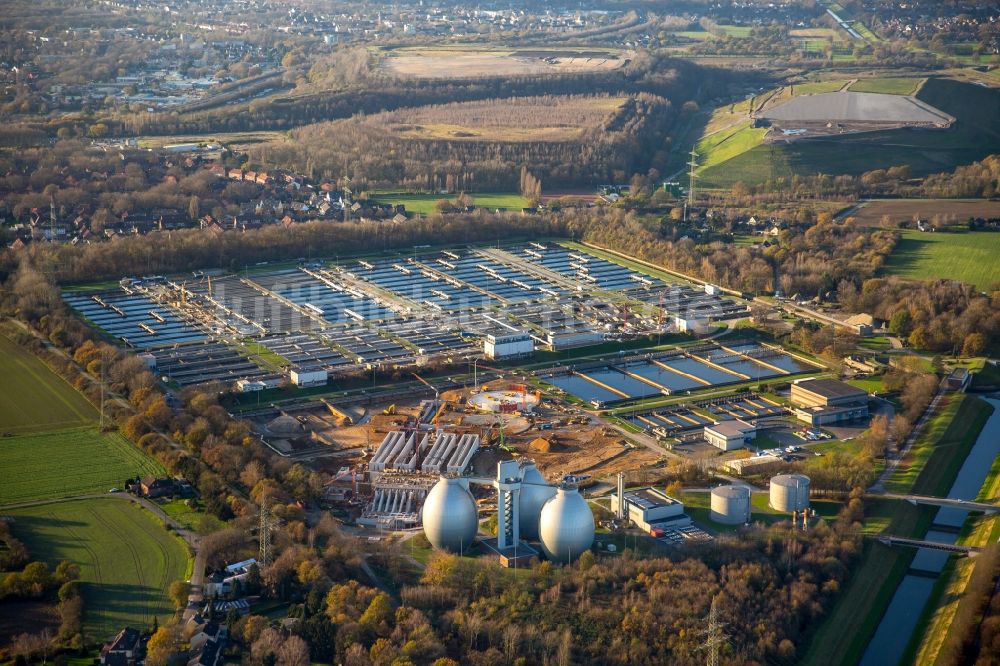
(975, 135)
(929, 469)
(948, 594)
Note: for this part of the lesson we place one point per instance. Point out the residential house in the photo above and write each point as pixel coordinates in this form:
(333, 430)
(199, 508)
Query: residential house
(152, 486)
(209, 654)
(205, 632)
(123, 650)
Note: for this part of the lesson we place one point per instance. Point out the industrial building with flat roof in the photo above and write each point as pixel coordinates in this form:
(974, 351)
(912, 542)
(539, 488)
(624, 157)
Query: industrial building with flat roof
(731, 434)
(651, 509)
(823, 401)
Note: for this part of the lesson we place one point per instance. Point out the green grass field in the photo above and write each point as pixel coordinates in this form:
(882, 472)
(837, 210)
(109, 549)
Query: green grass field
(426, 204)
(889, 85)
(969, 256)
(127, 559)
(42, 400)
(975, 135)
(68, 462)
(817, 87)
(727, 144)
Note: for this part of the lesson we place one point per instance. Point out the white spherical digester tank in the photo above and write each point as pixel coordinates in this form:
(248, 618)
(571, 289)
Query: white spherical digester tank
(566, 527)
(534, 495)
(789, 492)
(450, 517)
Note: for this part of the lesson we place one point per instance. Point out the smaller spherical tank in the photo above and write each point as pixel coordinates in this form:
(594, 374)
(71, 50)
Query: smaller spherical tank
(534, 495)
(449, 516)
(731, 505)
(566, 528)
(789, 492)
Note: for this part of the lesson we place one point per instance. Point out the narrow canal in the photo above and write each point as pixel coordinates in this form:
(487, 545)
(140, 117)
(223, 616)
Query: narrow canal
(893, 634)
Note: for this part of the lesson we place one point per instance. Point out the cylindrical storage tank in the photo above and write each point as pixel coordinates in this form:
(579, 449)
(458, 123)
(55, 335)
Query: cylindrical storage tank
(449, 516)
(566, 527)
(789, 492)
(731, 505)
(534, 495)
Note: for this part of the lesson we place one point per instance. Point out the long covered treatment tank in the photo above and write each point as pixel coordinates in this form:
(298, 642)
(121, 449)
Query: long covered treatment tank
(534, 495)
(731, 505)
(566, 527)
(450, 517)
(789, 492)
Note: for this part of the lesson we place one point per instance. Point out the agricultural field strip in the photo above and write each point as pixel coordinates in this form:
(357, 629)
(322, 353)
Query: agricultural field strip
(97, 529)
(42, 397)
(37, 464)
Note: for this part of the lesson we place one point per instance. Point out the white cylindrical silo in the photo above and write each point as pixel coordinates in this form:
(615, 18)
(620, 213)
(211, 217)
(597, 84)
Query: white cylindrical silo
(449, 516)
(731, 505)
(534, 495)
(789, 492)
(566, 527)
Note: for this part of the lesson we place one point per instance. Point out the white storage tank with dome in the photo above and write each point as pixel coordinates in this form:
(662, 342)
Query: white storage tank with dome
(566, 527)
(450, 517)
(789, 492)
(731, 505)
(534, 495)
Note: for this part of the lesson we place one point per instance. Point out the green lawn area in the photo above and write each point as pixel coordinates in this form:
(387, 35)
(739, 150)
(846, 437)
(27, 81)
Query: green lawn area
(817, 87)
(700, 35)
(68, 462)
(42, 400)
(734, 30)
(868, 384)
(127, 559)
(969, 256)
(426, 204)
(893, 85)
(255, 349)
(195, 520)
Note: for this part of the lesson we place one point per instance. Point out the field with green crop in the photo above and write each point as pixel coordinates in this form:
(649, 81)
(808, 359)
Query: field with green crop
(967, 256)
(426, 204)
(127, 559)
(889, 85)
(42, 400)
(975, 135)
(68, 462)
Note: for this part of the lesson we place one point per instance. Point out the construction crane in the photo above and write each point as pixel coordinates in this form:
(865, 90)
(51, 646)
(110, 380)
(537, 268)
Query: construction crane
(502, 443)
(423, 381)
(475, 373)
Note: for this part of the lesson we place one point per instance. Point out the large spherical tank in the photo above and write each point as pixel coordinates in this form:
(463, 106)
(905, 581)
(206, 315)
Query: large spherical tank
(533, 497)
(450, 517)
(731, 505)
(566, 528)
(789, 492)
